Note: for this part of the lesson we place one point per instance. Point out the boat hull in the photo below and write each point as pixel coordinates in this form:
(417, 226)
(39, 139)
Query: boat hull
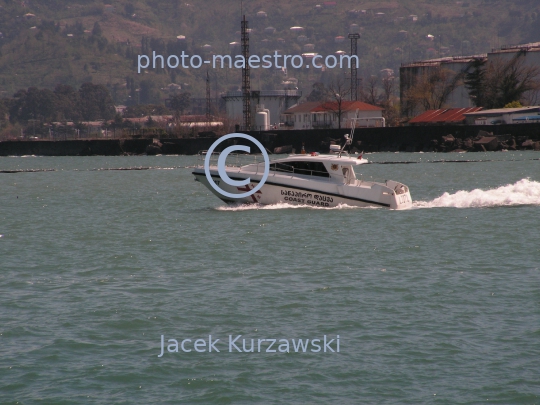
(276, 191)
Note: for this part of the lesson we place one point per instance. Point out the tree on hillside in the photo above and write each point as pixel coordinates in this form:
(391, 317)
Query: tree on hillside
(475, 81)
(338, 92)
(389, 87)
(431, 90)
(3, 109)
(142, 110)
(319, 92)
(149, 92)
(369, 93)
(387, 101)
(98, 37)
(495, 83)
(97, 31)
(32, 104)
(532, 97)
(129, 9)
(513, 104)
(67, 103)
(95, 102)
(180, 102)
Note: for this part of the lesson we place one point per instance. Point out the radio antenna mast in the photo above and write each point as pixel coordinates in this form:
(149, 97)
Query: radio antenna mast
(246, 86)
(349, 137)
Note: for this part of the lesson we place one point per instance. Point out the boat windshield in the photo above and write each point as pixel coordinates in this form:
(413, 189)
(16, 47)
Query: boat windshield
(300, 167)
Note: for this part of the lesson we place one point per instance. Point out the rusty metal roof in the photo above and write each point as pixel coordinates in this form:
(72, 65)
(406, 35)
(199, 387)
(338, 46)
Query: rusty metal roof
(443, 116)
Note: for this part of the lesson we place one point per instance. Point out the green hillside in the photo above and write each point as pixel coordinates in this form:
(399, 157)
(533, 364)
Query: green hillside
(46, 43)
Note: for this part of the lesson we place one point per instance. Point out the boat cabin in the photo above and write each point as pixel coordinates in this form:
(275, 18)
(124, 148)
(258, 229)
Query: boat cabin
(338, 169)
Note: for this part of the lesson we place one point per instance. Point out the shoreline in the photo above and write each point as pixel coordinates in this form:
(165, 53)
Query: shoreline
(451, 138)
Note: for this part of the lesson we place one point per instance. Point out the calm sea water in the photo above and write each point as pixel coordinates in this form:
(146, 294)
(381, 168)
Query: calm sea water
(437, 304)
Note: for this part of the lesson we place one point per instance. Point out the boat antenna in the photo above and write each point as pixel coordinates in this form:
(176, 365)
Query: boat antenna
(349, 137)
(353, 125)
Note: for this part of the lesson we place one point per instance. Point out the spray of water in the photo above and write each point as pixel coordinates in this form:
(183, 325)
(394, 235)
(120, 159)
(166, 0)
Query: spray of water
(523, 192)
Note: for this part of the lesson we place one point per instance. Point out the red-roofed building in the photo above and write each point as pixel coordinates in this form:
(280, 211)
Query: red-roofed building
(443, 116)
(313, 115)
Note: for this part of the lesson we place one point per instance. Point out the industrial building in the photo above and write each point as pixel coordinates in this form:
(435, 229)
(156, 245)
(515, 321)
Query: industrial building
(409, 73)
(478, 116)
(459, 98)
(496, 116)
(316, 115)
(275, 102)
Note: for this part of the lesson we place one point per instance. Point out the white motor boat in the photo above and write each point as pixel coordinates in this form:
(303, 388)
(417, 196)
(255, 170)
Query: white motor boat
(308, 179)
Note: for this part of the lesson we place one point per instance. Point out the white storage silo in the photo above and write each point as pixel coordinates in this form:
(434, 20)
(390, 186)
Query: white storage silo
(261, 120)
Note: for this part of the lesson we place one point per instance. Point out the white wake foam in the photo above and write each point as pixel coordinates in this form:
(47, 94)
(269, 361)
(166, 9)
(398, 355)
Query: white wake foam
(523, 192)
(280, 206)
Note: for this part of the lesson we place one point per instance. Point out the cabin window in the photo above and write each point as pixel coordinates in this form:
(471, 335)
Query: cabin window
(305, 168)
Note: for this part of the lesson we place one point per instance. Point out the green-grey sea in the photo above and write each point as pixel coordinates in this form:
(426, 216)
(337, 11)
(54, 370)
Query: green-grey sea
(439, 304)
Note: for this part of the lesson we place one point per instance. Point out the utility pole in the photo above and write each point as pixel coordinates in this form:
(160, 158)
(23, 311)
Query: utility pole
(246, 86)
(354, 68)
